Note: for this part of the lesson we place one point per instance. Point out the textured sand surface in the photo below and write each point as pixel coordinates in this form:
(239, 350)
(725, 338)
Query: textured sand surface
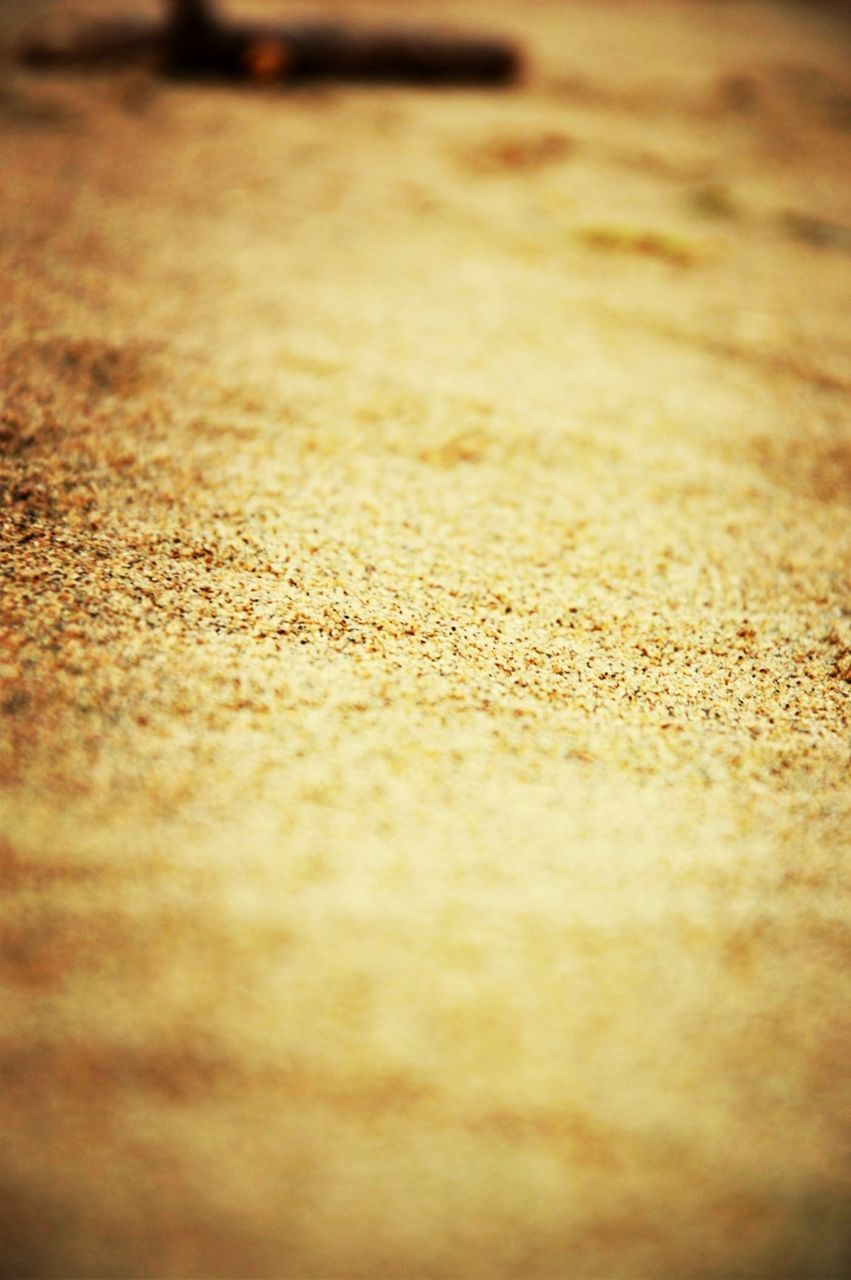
(426, 659)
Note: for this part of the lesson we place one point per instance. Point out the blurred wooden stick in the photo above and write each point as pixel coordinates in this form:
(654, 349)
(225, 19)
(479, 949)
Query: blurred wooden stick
(195, 43)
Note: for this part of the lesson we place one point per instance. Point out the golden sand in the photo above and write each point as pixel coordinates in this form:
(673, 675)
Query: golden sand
(426, 663)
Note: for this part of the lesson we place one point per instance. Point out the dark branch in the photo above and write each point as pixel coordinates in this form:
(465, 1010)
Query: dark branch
(194, 42)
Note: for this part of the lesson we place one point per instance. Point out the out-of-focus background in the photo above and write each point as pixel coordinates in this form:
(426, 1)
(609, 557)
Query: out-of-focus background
(426, 656)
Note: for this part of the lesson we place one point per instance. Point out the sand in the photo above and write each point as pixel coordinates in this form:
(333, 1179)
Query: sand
(426, 662)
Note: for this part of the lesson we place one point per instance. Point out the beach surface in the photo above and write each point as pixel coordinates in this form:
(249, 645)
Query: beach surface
(425, 555)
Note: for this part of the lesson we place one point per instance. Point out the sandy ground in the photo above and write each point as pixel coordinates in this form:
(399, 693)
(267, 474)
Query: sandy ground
(426, 656)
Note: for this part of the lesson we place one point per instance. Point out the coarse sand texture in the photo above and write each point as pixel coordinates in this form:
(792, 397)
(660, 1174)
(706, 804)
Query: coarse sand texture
(425, 555)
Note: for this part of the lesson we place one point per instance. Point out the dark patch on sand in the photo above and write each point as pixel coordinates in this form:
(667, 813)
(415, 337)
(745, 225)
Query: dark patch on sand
(20, 873)
(818, 469)
(518, 153)
(89, 366)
